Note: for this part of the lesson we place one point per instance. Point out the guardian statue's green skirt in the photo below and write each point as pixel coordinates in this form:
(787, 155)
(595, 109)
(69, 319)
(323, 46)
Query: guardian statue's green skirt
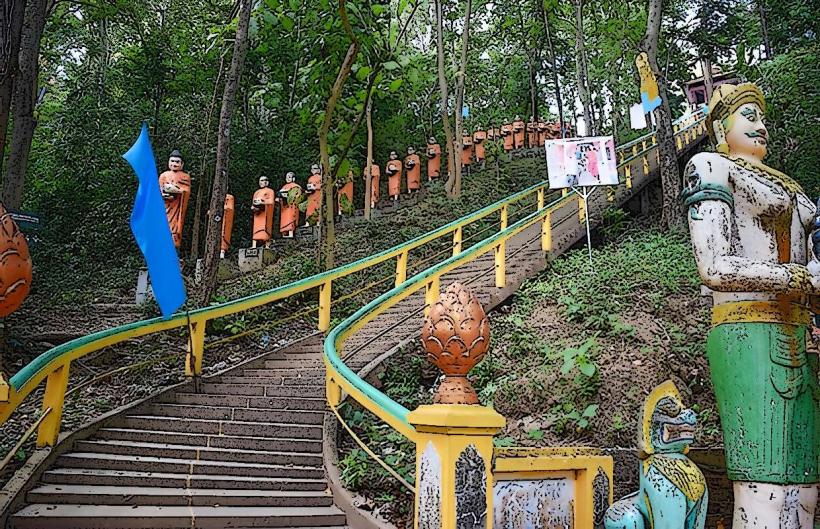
(767, 392)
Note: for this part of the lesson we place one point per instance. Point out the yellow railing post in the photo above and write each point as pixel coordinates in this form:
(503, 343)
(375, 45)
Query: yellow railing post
(431, 294)
(54, 397)
(678, 143)
(541, 198)
(196, 348)
(501, 254)
(635, 150)
(564, 192)
(324, 305)
(628, 176)
(4, 389)
(457, 235)
(546, 232)
(401, 268)
(654, 139)
(645, 159)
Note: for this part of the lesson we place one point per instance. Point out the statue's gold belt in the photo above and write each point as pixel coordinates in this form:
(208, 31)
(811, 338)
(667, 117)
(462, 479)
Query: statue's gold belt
(761, 312)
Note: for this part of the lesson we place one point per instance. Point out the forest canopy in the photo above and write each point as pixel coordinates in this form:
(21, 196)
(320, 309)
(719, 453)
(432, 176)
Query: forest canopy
(101, 67)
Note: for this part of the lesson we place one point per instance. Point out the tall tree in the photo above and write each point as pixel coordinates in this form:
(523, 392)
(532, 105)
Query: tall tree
(219, 187)
(24, 101)
(454, 187)
(671, 214)
(582, 76)
(11, 24)
(445, 99)
(553, 68)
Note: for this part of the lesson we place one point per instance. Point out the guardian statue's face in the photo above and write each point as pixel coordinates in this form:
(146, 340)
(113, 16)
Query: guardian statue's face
(263, 181)
(746, 133)
(175, 163)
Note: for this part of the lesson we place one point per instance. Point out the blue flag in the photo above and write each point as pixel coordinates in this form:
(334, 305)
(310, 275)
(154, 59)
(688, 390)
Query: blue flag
(150, 227)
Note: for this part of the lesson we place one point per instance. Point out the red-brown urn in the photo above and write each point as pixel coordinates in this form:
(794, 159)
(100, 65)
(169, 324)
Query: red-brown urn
(456, 335)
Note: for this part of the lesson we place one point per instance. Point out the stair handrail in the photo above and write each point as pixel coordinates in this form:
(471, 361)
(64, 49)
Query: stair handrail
(340, 377)
(54, 364)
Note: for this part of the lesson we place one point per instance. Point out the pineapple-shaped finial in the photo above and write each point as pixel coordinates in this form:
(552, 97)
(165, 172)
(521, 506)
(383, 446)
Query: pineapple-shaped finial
(456, 335)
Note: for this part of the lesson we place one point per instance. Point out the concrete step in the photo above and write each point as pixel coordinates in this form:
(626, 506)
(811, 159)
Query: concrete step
(123, 478)
(110, 495)
(307, 380)
(241, 442)
(243, 401)
(92, 460)
(42, 515)
(263, 390)
(307, 364)
(232, 414)
(185, 425)
(199, 453)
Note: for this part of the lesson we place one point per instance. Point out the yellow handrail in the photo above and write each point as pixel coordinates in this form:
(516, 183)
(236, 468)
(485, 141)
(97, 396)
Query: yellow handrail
(54, 364)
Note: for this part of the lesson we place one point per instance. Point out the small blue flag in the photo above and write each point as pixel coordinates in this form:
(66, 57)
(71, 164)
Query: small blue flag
(150, 227)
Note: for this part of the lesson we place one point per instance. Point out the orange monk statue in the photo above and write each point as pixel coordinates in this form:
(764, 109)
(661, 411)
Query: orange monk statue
(413, 165)
(344, 194)
(433, 159)
(491, 133)
(393, 170)
(262, 208)
(507, 134)
(227, 225)
(532, 132)
(314, 190)
(479, 137)
(542, 132)
(518, 133)
(466, 149)
(175, 185)
(375, 174)
(289, 196)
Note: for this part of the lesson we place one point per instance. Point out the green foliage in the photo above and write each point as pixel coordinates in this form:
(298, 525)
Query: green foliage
(790, 83)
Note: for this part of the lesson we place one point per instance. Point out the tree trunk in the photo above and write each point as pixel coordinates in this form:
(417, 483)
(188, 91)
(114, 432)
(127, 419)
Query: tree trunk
(580, 67)
(368, 181)
(708, 83)
(555, 80)
(219, 188)
(328, 236)
(445, 98)
(455, 192)
(11, 25)
(671, 213)
(200, 188)
(23, 102)
(764, 28)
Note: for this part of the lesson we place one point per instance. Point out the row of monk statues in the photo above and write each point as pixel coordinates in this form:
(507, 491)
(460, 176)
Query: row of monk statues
(295, 201)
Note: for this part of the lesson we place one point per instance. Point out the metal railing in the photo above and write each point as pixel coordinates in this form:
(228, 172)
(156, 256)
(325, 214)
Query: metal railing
(53, 365)
(340, 377)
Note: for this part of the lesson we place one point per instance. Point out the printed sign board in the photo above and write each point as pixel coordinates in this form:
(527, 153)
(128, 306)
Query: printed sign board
(583, 162)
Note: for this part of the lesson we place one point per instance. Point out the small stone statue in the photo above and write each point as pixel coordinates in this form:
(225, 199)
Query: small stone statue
(673, 492)
(175, 185)
(518, 132)
(344, 194)
(413, 166)
(262, 209)
(227, 225)
(507, 134)
(393, 170)
(289, 197)
(479, 137)
(433, 159)
(375, 175)
(314, 191)
(532, 132)
(751, 229)
(466, 149)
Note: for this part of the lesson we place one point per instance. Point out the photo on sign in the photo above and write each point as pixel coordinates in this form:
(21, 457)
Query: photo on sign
(581, 162)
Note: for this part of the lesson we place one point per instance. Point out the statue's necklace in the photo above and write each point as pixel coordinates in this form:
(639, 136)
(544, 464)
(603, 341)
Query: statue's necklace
(773, 175)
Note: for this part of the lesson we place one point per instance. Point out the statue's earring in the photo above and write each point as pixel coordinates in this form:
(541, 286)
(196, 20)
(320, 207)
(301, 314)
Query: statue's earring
(720, 137)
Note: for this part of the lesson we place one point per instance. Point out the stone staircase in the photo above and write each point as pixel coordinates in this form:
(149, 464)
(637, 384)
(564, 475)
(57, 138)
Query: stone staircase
(246, 451)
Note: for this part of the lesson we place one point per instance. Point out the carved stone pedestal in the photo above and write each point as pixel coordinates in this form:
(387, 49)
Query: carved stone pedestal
(251, 259)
